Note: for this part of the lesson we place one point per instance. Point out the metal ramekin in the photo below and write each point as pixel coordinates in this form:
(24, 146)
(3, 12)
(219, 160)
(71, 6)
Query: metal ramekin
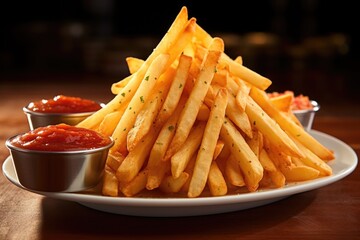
(306, 117)
(38, 119)
(61, 171)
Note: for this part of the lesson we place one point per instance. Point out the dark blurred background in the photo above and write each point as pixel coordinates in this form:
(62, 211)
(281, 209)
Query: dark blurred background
(309, 46)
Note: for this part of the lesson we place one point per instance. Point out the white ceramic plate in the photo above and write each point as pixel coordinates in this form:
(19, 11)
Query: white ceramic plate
(344, 163)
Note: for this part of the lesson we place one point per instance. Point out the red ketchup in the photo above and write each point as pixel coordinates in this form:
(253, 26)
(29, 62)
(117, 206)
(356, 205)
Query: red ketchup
(64, 104)
(60, 137)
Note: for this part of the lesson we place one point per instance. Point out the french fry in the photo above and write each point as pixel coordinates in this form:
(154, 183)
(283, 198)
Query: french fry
(278, 157)
(176, 88)
(208, 144)
(240, 118)
(216, 181)
(276, 176)
(189, 170)
(146, 117)
(270, 128)
(251, 168)
(144, 122)
(134, 65)
(282, 102)
(312, 160)
(134, 161)
(182, 157)
(300, 173)
(136, 185)
(233, 172)
(138, 101)
(109, 123)
(110, 185)
(256, 142)
(156, 166)
(239, 60)
(218, 148)
(114, 160)
(241, 95)
(117, 87)
(247, 74)
(291, 127)
(171, 184)
(193, 104)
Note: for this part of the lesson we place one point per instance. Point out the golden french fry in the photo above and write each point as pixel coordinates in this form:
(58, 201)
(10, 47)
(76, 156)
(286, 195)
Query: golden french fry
(146, 117)
(156, 166)
(273, 172)
(239, 60)
(110, 185)
(176, 88)
(291, 127)
(278, 157)
(108, 124)
(171, 184)
(251, 168)
(240, 118)
(241, 94)
(136, 185)
(300, 173)
(216, 181)
(247, 74)
(283, 102)
(270, 129)
(218, 149)
(221, 77)
(114, 160)
(233, 172)
(144, 121)
(182, 157)
(134, 64)
(138, 101)
(134, 161)
(312, 160)
(256, 142)
(193, 104)
(189, 170)
(117, 87)
(208, 144)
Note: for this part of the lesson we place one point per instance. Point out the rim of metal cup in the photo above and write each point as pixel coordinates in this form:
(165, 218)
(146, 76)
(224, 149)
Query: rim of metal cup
(42, 114)
(10, 146)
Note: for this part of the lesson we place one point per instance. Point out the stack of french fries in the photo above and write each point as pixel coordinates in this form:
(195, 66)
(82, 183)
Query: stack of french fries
(191, 121)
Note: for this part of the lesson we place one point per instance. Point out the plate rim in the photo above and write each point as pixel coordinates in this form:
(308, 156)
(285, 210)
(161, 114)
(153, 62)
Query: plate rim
(261, 195)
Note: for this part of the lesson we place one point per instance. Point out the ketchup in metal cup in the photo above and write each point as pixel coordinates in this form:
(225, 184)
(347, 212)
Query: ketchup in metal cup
(60, 137)
(64, 104)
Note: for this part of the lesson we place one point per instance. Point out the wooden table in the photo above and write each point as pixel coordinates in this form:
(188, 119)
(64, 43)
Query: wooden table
(330, 212)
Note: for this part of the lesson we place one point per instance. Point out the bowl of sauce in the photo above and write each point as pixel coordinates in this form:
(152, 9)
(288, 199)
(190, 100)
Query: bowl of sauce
(60, 109)
(59, 158)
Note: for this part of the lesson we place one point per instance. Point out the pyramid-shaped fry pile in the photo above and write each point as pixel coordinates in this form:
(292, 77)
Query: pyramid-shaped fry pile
(191, 120)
